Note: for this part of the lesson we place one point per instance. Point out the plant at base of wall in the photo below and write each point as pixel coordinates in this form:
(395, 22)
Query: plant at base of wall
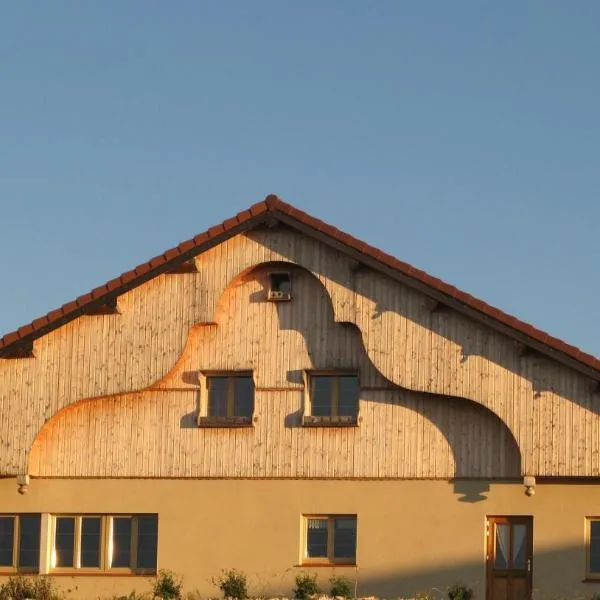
(131, 596)
(306, 586)
(232, 583)
(23, 588)
(341, 587)
(167, 586)
(460, 592)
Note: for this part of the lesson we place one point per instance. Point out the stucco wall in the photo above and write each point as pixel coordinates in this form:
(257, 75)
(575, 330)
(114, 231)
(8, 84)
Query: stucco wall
(412, 535)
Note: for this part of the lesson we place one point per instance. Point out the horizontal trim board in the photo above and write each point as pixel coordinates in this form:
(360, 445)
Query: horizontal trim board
(498, 480)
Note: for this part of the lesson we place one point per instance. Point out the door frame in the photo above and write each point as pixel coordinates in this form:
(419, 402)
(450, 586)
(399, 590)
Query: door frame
(490, 549)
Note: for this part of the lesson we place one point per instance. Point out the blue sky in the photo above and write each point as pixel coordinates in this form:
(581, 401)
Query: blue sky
(462, 137)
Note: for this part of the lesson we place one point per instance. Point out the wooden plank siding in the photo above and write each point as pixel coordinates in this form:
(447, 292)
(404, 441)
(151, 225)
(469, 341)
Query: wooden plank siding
(141, 435)
(418, 369)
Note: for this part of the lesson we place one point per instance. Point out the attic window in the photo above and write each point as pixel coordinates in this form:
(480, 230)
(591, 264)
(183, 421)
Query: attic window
(280, 286)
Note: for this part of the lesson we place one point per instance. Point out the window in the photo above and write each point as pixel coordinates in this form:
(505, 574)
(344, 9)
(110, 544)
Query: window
(20, 542)
(593, 547)
(330, 539)
(226, 399)
(280, 286)
(332, 399)
(102, 542)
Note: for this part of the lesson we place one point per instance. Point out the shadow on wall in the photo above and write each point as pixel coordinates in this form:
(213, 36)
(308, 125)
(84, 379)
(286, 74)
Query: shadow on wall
(557, 575)
(482, 445)
(442, 321)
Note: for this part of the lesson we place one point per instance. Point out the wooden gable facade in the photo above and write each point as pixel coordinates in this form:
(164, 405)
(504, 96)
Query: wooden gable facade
(110, 386)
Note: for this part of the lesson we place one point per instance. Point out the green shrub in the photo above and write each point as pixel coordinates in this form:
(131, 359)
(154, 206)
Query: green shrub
(306, 586)
(233, 584)
(21, 588)
(340, 587)
(167, 586)
(460, 592)
(131, 596)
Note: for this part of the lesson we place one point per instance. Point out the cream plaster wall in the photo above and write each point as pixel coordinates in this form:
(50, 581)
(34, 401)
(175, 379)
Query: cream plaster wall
(412, 535)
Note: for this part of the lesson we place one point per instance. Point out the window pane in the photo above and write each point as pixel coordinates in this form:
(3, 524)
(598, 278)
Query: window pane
(91, 537)
(217, 396)
(7, 540)
(280, 282)
(321, 396)
(244, 396)
(29, 541)
(502, 546)
(64, 541)
(349, 392)
(121, 542)
(344, 538)
(316, 538)
(519, 547)
(595, 546)
(147, 542)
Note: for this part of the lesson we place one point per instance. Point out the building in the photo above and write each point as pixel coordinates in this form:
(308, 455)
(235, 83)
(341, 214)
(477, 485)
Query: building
(277, 396)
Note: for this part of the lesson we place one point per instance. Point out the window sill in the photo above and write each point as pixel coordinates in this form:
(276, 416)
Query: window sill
(591, 580)
(5, 571)
(330, 565)
(312, 421)
(225, 422)
(83, 573)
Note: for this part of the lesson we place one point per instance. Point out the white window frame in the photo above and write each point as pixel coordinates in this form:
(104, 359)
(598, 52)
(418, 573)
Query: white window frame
(77, 544)
(106, 547)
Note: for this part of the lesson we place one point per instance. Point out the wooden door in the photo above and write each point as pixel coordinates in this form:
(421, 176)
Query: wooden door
(509, 558)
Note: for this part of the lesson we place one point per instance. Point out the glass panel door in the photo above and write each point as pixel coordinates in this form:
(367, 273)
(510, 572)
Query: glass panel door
(509, 558)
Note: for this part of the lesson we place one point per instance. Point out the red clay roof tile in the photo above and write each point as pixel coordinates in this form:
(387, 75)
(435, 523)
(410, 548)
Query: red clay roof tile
(183, 247)
(84, 299)
(142, 269)
(215, 231)
(53, 315)
(273, 202)
(39, 323)
(69, 307)
(113, 284)
(98, 292)
(230, 223)
(200, 239)
(585, 357)
(23, 331)
(258, 209)
(129, 276)
(159, 260)
(171, 254)
(11, 337)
